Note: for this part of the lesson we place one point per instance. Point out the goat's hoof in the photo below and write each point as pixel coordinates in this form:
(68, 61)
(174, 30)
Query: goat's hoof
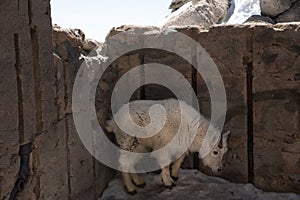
(134, 192)
(174, 178)
(170, 186)
(141, 185)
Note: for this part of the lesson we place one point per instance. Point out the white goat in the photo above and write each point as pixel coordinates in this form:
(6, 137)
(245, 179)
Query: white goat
(191, 119)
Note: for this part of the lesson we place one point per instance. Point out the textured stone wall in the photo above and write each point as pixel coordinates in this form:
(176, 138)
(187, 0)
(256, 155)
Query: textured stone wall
(276, 107)
(281, 10)
(35, 108)
(230, 48)
(27, 79)
(260, 69)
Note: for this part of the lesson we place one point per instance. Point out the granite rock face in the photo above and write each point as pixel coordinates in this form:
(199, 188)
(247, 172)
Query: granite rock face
(274, 7)
(291, 15)
(35, 106)
(206, 13)
(276, 106)
(70, 46)
(201, 13)
(260, 69)
(247, 66)
(176, 4)
(90, 44)
(220, 43)
(27, 108)
(281, 10)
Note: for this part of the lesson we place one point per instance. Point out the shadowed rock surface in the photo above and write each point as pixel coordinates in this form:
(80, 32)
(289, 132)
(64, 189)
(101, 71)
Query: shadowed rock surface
(274, 7)
(292, 15)
(192, 184)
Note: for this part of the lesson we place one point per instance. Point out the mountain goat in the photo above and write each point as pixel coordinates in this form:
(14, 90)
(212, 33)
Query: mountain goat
(176, 112)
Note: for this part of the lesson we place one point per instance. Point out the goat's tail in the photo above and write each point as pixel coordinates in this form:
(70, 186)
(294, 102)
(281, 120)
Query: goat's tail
(110, 125)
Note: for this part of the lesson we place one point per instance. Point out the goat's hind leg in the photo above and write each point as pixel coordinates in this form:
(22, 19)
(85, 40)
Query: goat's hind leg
(176, 167)
(166, 177)
(137, 180)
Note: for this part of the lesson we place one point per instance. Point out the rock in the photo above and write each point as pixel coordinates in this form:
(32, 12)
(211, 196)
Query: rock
(276, 105)
(292, 15)
(74, 37)
(90, 44)
(67, 43)
(176, 4)
(273, 8)
(258, 18)
(192, 184)
(202, 13)
(273, 53)
(133, 30)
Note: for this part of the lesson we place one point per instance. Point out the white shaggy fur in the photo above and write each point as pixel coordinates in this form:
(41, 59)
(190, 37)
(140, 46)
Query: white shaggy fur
(194, 128)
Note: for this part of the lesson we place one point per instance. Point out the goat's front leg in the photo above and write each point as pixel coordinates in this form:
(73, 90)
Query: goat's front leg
(176, 167)
(129, 186)
(165, 170)
(126, 165)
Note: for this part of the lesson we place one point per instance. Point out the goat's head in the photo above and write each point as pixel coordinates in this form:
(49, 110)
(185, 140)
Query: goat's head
(214, 159)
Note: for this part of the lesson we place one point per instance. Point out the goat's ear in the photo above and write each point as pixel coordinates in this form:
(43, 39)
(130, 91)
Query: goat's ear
(225, 137)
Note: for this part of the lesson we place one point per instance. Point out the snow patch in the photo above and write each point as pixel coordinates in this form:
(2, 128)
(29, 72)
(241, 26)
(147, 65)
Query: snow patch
(243, 9)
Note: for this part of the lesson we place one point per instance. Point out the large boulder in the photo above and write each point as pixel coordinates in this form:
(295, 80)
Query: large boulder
(292, 15)
(176, 4)
(74, 37)
(201, 13)
(273, 8)
(90, 44)
(67, 43)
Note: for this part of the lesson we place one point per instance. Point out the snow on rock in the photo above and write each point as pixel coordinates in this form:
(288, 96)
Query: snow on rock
(201, 13)
(192, 184)
(242, 10)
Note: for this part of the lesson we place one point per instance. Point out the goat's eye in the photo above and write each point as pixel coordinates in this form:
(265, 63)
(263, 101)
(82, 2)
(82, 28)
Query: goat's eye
(216, 152)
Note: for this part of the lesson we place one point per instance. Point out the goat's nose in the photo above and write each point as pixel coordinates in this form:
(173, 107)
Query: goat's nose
(219, 169)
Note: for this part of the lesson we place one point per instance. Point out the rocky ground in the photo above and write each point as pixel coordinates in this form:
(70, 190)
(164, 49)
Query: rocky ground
(193, 184)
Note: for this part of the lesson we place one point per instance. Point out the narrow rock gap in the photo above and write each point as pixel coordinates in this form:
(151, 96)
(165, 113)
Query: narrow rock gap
(57, 104)
(37, 81)
(249, 62)
(38, 103)
(0, 185)
(30, 12)
(143, 90)
(194, 74)
(19, 72)
(18, 5)
(67, 129)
